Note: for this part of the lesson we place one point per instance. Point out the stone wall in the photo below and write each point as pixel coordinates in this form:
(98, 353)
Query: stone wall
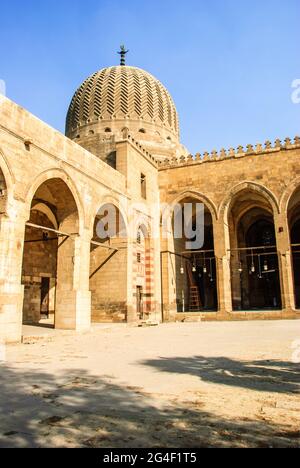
(33, 154)
(217, 180)
(274, 167)
(108, 282)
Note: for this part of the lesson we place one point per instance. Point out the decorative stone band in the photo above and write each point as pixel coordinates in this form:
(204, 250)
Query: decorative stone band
(232, 153)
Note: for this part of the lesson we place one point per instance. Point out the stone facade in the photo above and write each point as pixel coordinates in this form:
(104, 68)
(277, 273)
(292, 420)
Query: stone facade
(41, 169)
(268, 174)
(52, 191)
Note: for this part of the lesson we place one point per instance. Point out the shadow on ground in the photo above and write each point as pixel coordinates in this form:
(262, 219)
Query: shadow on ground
(266, 376)
(76, 409)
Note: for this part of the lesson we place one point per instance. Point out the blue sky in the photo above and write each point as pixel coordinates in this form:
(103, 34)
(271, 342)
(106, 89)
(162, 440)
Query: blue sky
(228, 64)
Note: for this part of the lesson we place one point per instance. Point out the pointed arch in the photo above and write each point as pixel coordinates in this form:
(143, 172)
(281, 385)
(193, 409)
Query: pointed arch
(248, 213)
(8, 181)
(7, 172)
(288, 194)
(142, 223)
(250, 187)
(62, 175)
(43, 208)
(110, 200)
(198, 196)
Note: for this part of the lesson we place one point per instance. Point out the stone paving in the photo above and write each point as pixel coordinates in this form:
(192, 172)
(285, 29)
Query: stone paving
(176, 385)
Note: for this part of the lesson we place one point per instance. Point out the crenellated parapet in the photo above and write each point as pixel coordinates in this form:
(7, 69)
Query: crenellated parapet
(142, 150)
(232, 153)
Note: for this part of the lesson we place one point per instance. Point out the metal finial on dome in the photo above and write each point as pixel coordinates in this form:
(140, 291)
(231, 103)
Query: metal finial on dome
(123, 53)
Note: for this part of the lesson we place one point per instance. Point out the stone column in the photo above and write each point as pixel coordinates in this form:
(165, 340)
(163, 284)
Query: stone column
(285, 263)
(129, 296)
(73, 298)
(223, 269)
(155, 278)
(234, 263)
(168, 279)
(12, 231)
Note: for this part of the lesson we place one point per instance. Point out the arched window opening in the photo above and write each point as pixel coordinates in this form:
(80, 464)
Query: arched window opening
(143, 293)
(139, 238)
(111, 159)
(125, 133)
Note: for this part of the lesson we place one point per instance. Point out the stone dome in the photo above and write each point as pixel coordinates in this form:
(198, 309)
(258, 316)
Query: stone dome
(123, 94)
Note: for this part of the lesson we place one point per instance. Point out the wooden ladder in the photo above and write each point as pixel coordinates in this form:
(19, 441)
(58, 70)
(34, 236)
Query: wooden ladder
(195, 301)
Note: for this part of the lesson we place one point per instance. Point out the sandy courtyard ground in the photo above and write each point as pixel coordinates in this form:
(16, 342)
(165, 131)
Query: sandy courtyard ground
(179, 385)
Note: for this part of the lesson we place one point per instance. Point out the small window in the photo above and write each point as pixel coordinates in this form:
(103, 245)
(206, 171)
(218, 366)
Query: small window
(111, 160)
(125, 133)
(143, 186)
(139, 258)
(142, 130)
(139, 238)
(108, 130)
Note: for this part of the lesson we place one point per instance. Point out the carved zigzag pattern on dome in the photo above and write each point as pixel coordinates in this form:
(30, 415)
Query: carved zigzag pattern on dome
(122, 92)
(124, 102)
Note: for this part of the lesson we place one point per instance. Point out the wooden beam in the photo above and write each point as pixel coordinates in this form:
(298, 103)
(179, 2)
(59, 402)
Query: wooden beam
(98, 244)
(43, 228)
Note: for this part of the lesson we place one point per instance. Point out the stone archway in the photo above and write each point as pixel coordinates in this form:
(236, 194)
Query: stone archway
(50, 256)
(192, 272)
(252, 188)
(255, 275)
